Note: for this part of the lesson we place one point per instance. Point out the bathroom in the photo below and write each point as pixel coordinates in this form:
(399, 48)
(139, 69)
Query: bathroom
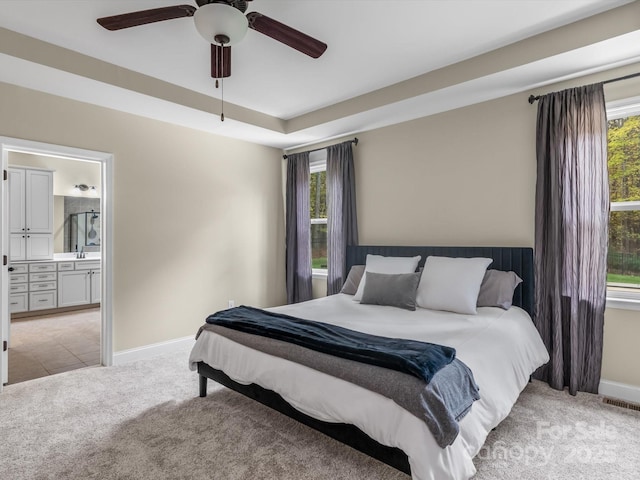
(63, 332)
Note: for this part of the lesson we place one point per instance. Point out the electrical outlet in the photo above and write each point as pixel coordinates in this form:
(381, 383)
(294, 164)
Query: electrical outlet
(232, 303)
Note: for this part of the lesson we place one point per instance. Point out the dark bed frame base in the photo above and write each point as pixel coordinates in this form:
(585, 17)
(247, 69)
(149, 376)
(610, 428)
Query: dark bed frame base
(345, 433)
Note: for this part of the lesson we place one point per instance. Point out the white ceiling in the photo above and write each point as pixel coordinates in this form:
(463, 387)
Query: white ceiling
(372, 44)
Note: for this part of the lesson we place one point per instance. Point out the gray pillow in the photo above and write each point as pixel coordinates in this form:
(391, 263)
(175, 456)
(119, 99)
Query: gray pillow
(497, 289)
(394, 290)
(350, 286)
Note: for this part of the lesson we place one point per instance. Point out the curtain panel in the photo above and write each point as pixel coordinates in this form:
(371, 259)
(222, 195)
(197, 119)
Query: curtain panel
(342, 221)
(298, 229)
(571, 235)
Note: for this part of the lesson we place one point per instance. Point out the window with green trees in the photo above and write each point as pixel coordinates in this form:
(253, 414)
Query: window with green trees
(623, 262)
(318, 201)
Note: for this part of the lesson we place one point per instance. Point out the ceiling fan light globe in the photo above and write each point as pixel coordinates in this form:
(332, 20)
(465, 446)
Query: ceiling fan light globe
(220, 19)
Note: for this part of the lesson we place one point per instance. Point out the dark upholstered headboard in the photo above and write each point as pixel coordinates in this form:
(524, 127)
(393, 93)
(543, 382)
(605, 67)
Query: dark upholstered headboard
(515, 259)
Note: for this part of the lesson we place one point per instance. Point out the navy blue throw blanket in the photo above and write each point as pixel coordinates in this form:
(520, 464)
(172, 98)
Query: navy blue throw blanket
(420, 359)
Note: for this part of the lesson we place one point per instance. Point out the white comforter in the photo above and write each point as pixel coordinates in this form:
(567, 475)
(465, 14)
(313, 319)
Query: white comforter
(502, 348)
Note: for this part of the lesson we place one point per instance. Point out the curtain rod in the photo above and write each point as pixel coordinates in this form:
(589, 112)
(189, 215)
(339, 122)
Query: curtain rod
(535, 98)
(355, 140)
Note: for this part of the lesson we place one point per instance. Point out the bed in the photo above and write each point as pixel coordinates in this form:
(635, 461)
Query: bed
(501, 347)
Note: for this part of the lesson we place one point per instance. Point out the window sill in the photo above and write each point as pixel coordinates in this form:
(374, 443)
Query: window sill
(623, 299)
(319, 273)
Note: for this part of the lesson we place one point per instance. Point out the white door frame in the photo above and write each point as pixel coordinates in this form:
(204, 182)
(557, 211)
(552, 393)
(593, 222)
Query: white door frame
(7, 145)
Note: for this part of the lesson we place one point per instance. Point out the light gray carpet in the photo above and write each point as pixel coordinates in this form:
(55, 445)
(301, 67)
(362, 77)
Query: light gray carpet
(145, 421)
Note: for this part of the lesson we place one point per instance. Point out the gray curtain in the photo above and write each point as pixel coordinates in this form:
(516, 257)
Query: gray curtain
(298, 229)
(571, 235)
(342, 221)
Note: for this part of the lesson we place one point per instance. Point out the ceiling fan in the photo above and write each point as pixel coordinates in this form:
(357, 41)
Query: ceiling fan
(222, 23)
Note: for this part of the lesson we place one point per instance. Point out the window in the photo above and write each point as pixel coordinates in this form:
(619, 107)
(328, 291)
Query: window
(318, 202)
(623, 260)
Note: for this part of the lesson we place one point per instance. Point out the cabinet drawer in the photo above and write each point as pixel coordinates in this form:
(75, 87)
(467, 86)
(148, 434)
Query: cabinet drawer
(42, 300)
(42, 267)
(18, 288)
(18, 302)
(87, 265)
(42, 277)
(18, 278)
(36, 287)
(63, 266)
(19, 268)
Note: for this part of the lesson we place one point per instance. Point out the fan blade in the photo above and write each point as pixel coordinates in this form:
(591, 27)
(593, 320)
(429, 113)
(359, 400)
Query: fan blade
(220, 61)
(133, 19)
(285, 34)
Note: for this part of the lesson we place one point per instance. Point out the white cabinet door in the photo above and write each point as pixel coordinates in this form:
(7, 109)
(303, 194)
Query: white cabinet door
(39, 201)
(74, 288)
(17, 247)
(17, 199)
(18, 302)
(31, 214)
(95, 286)
(42, 300)
(39, 247)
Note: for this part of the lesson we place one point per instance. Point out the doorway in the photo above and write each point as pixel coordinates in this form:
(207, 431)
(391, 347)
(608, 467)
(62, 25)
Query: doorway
(20, 152)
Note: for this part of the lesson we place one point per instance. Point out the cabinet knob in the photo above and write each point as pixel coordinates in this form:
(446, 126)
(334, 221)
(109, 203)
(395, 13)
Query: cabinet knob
(11, 269)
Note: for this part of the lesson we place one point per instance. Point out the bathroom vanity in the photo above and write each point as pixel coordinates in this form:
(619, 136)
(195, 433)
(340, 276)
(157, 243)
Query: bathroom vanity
(64, 281)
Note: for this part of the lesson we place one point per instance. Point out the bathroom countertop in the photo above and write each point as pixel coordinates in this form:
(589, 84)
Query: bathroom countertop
(66, 257)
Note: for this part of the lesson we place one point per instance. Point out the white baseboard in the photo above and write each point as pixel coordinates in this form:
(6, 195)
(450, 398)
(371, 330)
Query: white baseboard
(621, 391)
(153, 350)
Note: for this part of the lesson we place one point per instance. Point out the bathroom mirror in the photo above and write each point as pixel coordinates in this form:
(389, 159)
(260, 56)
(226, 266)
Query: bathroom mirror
(82, 224)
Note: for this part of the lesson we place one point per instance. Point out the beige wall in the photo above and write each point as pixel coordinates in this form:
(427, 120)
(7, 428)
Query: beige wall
(197, 217)
(621, 362)
(467, 177)
(456, 178)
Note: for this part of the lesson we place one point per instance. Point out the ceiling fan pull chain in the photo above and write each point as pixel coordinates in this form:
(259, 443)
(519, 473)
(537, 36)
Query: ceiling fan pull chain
(222, 84)
(222, 100)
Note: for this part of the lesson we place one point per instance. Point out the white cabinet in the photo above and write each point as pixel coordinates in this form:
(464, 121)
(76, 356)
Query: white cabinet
(17, 200)
(74, 288)
(80, 286)
(32, 286)
(42, 286)
(18, 302)
(39, 247)
(18, 288)
(17, 246)
(45, 285)
(30, 214)
(27, 246)
(96, 286)
(39, 201)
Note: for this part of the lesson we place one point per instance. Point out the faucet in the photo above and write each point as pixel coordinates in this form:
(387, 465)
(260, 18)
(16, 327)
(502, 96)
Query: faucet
(80, 254)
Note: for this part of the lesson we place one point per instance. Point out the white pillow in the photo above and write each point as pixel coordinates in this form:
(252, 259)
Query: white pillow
(380, 264)
(451, 284)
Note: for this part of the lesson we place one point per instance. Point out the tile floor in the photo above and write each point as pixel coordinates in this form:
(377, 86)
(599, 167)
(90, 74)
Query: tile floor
(51, 344)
